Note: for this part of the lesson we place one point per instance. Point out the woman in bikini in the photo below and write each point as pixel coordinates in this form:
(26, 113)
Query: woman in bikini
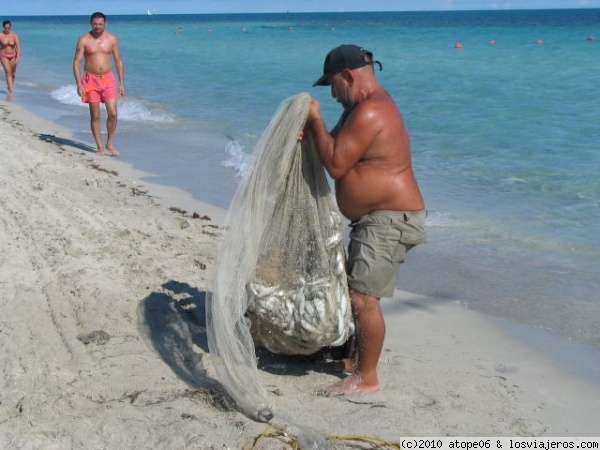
(10, 53)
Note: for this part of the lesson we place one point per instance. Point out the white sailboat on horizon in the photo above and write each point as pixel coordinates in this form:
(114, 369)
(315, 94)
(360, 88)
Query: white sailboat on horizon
(152, 11)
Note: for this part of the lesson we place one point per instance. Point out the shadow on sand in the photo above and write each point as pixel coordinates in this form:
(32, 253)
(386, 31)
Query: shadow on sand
(172, 319)
(62, 142)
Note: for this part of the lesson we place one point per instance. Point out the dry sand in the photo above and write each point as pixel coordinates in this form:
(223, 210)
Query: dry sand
(103, 279)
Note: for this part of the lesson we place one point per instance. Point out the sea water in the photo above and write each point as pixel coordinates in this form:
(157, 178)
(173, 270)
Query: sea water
(505, 131)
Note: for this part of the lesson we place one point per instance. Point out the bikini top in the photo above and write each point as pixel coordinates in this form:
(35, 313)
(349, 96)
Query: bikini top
(8, 44)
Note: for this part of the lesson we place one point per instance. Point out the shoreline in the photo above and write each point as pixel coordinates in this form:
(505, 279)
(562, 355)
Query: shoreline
(529, 289)
(61, 135)
(102, 340)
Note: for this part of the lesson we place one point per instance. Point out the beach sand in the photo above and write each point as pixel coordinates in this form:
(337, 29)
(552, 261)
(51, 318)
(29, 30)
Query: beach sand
(103, 279)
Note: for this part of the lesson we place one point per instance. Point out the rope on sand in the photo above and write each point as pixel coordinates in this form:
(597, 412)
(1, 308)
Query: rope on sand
(279, 433)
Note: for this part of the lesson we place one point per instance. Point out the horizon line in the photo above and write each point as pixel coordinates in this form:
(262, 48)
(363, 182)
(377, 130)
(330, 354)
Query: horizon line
(311, 12)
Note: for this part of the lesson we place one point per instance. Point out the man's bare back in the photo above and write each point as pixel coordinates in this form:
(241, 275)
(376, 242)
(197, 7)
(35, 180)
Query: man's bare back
(368, 154)
(382, 178)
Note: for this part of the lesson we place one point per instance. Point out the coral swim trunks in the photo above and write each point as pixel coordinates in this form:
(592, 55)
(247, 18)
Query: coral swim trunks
(378, 245)
(99, 88)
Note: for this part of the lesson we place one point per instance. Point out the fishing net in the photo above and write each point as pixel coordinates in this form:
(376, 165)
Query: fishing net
(280, 281)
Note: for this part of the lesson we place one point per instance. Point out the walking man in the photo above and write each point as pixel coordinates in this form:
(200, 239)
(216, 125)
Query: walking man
(97, 83)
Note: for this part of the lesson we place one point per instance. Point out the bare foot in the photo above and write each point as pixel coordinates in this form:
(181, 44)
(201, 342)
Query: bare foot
(340, 366)
(113, 151)
(100, 151)
(351, 385)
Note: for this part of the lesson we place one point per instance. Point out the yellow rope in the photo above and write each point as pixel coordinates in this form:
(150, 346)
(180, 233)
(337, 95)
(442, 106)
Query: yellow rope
(279, 433)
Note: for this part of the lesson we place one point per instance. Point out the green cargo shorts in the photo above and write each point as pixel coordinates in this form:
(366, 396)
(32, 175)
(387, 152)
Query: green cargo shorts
(378, 245)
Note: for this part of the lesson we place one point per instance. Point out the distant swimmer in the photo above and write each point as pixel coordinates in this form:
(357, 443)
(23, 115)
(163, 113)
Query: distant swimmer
(10, 53)
(539, 41)
(458, 45)
(493, 42)
(591, 38)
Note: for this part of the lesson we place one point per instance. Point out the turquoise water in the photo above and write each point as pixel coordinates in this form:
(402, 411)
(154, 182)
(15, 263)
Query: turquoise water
(505, 137)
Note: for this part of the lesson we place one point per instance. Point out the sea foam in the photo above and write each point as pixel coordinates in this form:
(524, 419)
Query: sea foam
(131, 109)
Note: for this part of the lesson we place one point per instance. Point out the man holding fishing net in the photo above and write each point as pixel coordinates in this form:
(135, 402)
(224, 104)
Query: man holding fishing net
(368, 155)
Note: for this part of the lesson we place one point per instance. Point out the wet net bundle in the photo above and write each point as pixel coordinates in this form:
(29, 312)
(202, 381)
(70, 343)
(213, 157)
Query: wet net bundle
(280, 280)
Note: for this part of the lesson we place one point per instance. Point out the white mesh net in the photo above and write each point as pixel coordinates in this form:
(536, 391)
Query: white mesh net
(280, 280)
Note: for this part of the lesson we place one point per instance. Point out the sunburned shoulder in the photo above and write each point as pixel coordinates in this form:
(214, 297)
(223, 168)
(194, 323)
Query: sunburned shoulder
(382, 97)
(377, 104)
(376, 98)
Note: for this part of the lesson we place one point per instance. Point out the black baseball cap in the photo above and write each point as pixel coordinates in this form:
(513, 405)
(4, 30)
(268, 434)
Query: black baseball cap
(345, 56)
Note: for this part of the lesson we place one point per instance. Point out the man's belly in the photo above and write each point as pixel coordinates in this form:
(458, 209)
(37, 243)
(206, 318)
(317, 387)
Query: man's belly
(358, 196)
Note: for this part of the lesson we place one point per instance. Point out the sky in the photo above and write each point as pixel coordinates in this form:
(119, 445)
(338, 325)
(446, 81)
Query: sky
(115, 7)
